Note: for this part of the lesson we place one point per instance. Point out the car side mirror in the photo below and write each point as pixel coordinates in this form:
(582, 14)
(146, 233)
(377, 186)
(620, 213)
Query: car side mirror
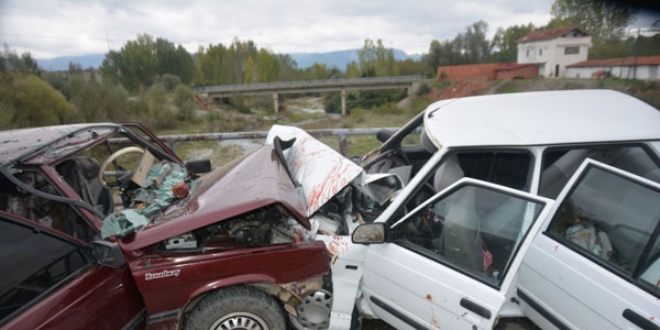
(199, 166)
(369, 233)
(108, 254)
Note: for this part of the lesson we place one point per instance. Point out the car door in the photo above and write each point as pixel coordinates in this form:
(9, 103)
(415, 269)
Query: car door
(451, 262)
(596, 263)
(51, 281)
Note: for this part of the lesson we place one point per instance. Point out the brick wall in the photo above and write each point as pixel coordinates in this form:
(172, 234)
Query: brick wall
(489, 71)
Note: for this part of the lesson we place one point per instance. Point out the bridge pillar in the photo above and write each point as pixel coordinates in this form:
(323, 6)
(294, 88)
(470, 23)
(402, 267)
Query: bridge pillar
(276, 101)
(343, 103)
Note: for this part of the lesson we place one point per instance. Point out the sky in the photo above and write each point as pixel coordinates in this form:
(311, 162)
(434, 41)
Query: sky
(53, 28)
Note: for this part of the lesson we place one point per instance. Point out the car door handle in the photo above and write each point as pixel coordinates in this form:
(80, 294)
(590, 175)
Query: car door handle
(476, 308)
(639, 320)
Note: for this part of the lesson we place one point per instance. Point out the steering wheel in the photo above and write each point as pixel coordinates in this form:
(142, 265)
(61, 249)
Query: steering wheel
(111, 159)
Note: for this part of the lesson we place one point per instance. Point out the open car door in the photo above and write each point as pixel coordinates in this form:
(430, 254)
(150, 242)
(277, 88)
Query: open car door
(452, 262)
(596, 263)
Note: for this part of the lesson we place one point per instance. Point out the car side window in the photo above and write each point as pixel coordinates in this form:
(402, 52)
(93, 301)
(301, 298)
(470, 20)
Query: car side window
(473, 229)
(510, 169)
(610, 219)
(559, 164)
(34, 263)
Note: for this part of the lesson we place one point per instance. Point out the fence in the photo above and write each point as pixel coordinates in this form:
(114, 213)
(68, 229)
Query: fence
(341, 133)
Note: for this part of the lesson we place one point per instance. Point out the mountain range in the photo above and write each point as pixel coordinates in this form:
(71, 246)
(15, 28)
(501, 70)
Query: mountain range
(337, 59)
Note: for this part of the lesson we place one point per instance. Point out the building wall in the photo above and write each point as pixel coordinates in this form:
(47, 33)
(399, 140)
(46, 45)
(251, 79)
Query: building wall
(527, 72)
(551, 54)
(466, 72)
(644, 72)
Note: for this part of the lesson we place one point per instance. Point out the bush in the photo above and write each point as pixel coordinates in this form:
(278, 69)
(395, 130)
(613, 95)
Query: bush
(170, 81)
(184, 101)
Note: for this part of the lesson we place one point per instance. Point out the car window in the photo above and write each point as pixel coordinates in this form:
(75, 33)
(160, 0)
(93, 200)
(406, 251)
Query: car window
(509, 169)
(57, 215)
(561, 163)
(33, 263)
(610, 219)
(474, 229)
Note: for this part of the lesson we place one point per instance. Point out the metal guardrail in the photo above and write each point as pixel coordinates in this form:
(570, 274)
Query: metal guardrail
(341, 133)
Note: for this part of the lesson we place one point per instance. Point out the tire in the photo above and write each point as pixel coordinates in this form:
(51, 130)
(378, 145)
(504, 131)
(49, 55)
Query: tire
(239, 308)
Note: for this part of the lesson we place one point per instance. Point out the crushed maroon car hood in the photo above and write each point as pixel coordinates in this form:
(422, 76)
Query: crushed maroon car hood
(248, 183)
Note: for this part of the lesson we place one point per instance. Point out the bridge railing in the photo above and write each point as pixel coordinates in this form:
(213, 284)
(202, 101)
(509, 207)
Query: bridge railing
(307, 83)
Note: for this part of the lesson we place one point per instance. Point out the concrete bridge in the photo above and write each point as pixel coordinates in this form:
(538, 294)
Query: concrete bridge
(290, 87)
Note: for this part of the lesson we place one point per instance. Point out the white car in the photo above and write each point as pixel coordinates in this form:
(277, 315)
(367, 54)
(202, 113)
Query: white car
(542, 205)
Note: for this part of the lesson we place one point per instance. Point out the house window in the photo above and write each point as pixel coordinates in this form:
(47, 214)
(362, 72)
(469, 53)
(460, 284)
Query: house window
(527, 53)
(540, 52)
(572, 50)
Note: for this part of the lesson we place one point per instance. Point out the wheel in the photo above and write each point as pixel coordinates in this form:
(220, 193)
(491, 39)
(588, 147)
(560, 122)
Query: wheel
(112, 158)
(239, 308)
(313, 311)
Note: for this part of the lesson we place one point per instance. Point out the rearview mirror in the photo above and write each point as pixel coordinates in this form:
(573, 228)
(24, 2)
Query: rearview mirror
(384, 135)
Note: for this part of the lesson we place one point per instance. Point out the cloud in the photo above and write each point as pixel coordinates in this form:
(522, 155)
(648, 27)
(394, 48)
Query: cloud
(52, 28)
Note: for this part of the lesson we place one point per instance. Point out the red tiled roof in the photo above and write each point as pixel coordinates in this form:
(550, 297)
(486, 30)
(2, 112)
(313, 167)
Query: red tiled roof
(621, 61)
(548, 34)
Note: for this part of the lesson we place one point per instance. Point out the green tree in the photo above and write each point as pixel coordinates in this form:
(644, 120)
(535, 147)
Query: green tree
(10, 61)
(603, 19)
(352, 70)
(377, 61)
(504, 42)
(31, 102)
(474, 46)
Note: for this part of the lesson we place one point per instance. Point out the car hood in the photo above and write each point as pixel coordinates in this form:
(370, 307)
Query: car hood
(255, 181)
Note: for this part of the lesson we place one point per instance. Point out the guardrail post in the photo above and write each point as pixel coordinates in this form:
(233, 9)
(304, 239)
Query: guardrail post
(172, 146)
(276, 101)
(343, 102)
(343, 145)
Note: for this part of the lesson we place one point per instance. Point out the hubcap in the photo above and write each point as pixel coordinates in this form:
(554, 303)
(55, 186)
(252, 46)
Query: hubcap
(314, 311)
(240, 321)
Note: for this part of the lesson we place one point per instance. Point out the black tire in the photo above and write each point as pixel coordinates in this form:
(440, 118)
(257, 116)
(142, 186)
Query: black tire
(238, 308)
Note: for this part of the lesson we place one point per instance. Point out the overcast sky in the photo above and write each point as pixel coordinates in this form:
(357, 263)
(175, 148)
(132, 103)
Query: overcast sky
(52, 28)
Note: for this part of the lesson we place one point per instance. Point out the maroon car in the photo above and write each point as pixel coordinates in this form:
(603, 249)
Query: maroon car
(104, 227)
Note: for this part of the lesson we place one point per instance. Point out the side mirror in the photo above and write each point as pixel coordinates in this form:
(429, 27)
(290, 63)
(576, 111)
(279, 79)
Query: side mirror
(369, 233)
(199, 166)
(108, 254)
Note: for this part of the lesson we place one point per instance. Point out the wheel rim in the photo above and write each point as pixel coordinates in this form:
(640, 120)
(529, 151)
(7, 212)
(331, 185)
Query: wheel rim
(240, 321)
(314, 311)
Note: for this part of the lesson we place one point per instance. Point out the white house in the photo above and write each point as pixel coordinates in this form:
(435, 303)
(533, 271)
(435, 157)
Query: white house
(554, 49)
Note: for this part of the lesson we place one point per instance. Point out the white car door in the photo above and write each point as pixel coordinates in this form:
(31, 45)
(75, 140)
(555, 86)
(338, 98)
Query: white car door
(596, 262)
(450, 263)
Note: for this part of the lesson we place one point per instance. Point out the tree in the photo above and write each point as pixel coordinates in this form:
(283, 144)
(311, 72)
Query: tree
(475, 48)
(12, 62)
(377, 61)
(352, 70)
(504, 42)
(141, 61)
(30, 102)
(603, 19)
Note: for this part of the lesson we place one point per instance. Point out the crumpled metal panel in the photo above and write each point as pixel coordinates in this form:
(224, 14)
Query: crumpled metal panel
(320, 170)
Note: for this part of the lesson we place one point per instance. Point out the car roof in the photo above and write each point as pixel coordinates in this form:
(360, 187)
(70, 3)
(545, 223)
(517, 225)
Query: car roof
(541, 118)
(15, 143)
